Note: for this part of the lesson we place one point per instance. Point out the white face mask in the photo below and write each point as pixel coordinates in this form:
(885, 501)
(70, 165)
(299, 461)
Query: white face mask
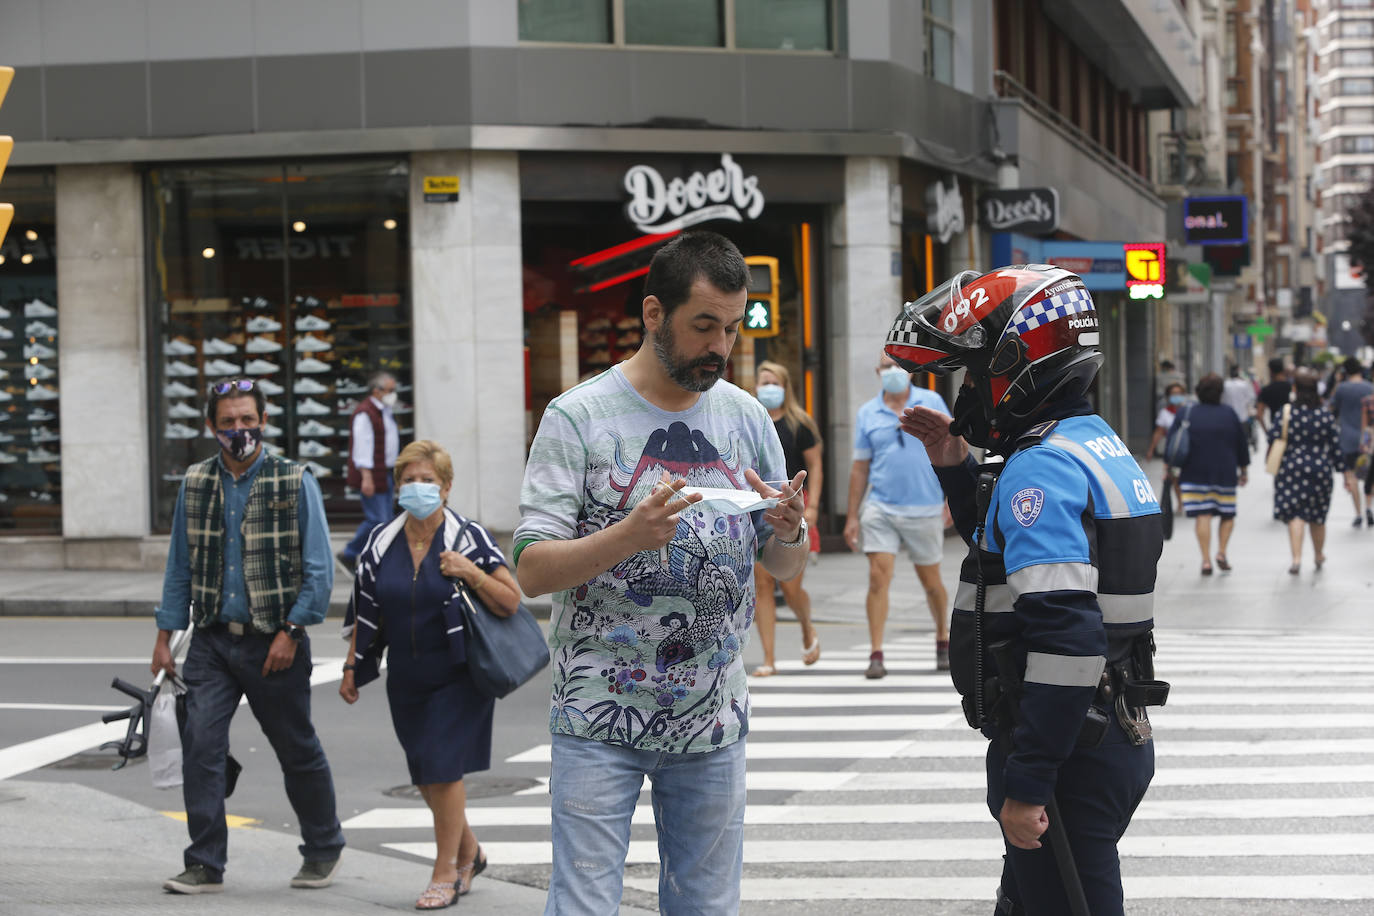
(389, 399)
(730, 501)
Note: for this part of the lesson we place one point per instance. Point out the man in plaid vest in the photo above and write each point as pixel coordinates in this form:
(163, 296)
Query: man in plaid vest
(249, 567)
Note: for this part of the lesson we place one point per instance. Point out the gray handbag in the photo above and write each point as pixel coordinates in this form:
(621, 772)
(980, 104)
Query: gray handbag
(503, 652)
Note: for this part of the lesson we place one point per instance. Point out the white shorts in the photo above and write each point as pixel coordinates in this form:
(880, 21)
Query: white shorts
(923, 537)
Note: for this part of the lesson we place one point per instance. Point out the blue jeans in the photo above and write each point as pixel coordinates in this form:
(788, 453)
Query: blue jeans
(698, 802)
(377, 510)
(219, 670)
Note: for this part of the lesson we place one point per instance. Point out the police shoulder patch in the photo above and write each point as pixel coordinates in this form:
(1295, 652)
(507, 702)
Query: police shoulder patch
(1026, 505)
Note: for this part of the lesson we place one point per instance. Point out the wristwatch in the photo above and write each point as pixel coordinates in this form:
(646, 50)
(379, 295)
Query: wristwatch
(295, 630)
(801, 537)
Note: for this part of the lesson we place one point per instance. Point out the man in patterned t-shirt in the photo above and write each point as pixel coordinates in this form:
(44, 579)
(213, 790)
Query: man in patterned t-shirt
(654, 589)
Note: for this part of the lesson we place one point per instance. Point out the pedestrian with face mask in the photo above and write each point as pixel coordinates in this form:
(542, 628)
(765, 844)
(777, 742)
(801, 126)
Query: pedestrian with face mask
(404, 604)
(249, 568)
(895, 504)
(374, 442)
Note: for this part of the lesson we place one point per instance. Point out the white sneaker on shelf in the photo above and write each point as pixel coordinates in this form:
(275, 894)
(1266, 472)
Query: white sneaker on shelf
(216, 347)
(178, 347)
(312, 449)
(350, 387)
(41, 351)
(41, 393)
(5, 395)
(271, 431)
(311, 366)
(257, 302)
(6, 437)
(272, 449)
(7, 458)
(40, 434)
(4, 373)
(261, 345)
(267, 386)
(318, 469)
(38, 414)
(222, 367)
(41, 455)
(347, 406)
(180, 431)
(176, 368)
(314, 428)
(38, 370)
(309, 302)
(309, 386)
(312, 344)
(4, 312)
(182, 411)
(260, 367)
(311, 408)
(274, 410)
(312, 323)
(37, 308)
(6, 334)
(38, 329)
(262, 325)
(178, 390)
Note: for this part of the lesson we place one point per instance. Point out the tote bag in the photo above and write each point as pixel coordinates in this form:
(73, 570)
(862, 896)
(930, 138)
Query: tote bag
(1274, 459)
(503, 652)
(1177, 445)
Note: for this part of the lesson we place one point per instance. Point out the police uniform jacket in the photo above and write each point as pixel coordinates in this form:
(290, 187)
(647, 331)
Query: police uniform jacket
(1069, 548)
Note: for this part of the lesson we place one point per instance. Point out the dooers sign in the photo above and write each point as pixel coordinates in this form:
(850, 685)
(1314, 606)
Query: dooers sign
(723, 193)
(1029, 211)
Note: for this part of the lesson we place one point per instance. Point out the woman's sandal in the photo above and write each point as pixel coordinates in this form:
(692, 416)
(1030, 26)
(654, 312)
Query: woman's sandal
(438, 896)
(1222, 563)
(1206, 569)
(470, 871)
(1321, 558)
(764, 671)
(812, 653)
(1294, 569)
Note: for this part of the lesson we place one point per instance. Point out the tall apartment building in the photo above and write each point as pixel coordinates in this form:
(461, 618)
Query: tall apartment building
(1343, 45)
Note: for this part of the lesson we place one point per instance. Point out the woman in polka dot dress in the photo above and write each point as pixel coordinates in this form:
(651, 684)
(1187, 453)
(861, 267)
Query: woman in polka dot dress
(1302, 488)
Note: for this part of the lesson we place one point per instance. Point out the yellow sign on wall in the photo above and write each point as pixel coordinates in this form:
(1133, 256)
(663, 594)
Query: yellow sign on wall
(441, 189)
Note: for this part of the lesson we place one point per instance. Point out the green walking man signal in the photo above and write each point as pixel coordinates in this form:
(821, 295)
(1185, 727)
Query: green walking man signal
(761, 312)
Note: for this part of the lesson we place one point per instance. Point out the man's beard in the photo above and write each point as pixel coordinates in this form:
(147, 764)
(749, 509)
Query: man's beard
(687, 373)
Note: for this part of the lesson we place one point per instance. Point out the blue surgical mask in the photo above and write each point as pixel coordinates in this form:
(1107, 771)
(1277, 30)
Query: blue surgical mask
(770, 396)
(896, 380)
(420, 499)
(1177, 399)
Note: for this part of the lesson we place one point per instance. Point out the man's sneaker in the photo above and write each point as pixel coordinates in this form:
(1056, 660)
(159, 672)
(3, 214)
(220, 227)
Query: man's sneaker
(196, 879)
(875, 667)
(316, 874)
(942, 655)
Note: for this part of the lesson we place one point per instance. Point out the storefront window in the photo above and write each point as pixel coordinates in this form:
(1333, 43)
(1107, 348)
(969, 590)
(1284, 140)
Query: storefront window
(686, 23)
(788, 25)
(296, 276)
(30, 439)
(580, 21)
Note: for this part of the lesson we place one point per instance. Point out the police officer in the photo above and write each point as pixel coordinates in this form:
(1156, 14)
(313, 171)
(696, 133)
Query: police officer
(1051, 643)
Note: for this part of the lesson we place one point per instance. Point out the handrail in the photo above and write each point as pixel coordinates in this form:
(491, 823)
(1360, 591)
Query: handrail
(1002, 80)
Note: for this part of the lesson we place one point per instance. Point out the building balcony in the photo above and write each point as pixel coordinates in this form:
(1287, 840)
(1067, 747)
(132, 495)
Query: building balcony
(1145, 47)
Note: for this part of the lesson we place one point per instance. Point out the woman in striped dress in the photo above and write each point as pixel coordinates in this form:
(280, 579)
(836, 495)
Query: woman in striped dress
(1218, 456)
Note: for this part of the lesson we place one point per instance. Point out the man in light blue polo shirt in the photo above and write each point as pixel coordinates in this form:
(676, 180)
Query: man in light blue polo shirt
(904, 507)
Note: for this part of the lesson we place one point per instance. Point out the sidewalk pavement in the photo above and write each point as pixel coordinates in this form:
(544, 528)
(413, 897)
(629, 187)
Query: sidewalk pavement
(66, 845)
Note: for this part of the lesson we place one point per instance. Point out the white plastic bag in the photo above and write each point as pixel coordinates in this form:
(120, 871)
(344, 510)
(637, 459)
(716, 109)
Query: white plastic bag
(164, 740)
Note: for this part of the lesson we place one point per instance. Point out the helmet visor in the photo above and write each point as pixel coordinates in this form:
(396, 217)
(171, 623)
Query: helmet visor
(947, 315)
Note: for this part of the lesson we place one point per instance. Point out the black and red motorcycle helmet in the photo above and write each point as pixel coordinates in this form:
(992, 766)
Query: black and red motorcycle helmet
(1026, 335)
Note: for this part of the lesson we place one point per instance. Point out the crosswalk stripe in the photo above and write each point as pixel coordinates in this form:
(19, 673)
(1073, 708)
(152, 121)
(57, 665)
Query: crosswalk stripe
(982, 849)
(785, 680)
(1344, 655)
(769, 700)
(1164, 720)
(1176, 887)
(1163, 665)
(921, 813)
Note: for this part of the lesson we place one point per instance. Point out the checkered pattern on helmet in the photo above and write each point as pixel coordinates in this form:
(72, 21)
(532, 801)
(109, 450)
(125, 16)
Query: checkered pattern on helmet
(1043, 311)
(903, 332)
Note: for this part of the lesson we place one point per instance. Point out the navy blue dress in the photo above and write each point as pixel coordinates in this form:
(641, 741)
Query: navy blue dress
(442, 720)
(1216, 448)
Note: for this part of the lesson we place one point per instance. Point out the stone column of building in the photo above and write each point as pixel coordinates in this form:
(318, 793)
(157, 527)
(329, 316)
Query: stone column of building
(105, 497)
(468, 328)
(865, 296)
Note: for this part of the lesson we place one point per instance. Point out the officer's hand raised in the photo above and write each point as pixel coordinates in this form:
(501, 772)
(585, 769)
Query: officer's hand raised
(932, 428)
(1023, 824)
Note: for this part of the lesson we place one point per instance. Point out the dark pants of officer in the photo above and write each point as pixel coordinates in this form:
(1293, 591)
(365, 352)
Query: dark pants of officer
(1098, 791)
(220, 669)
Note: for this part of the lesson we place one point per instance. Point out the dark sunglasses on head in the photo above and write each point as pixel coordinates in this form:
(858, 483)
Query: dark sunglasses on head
(235, 384)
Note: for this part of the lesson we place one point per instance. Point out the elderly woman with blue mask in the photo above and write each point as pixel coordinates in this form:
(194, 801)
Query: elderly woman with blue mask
(403, 602)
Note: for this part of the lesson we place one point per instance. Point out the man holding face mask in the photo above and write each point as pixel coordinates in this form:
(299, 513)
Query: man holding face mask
(895, 502)
(249, 568)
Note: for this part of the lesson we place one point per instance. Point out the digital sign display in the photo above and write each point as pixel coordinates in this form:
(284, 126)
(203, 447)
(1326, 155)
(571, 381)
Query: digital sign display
(1216, 220)
(1144, 269)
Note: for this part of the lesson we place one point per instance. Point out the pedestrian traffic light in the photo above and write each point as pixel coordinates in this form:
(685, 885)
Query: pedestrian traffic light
(6, 144)
(761, 311)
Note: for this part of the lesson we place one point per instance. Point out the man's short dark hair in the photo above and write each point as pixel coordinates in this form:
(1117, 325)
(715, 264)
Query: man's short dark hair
(692, 256)
(1353, 366)
(212, 399)
(1209, 388)
(1167, 365)
(1275, 365)
(1234, 371)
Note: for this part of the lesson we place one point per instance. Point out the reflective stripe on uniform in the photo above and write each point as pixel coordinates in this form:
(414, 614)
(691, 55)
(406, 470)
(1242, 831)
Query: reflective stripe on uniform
(1064, 670)
(1116, 500)
(1054, 577)
(1123, 609)
(997, 601)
